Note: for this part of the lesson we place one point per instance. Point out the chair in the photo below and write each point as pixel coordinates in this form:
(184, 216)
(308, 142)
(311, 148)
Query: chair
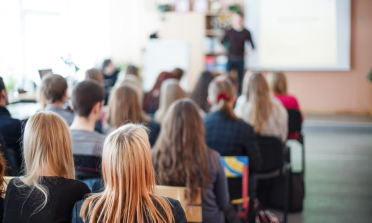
(295, 126)
(273, 166)
(193, 211)
(238, 167)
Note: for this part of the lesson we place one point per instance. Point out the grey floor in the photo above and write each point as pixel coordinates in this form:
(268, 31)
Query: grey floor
(338, 170)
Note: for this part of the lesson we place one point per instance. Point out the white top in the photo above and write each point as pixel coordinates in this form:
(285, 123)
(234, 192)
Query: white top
(277, 124)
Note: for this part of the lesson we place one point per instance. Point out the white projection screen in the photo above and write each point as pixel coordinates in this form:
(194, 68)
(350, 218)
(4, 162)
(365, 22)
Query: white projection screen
(300, 35)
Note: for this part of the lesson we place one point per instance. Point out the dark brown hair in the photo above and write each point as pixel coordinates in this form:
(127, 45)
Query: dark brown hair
(2, 85)
(200, 93)
(180, 153)
(85, 95)
(2, 173)
(178, 72)
(53, 87)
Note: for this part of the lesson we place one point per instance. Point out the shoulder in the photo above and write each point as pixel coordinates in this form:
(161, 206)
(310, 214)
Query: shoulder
(153, 125)
(209, 117)
(177, 210)
(75, 186)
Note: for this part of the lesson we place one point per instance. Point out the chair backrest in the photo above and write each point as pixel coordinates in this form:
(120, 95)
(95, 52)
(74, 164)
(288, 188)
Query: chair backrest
(193, 211)
(271, 149)
(294, 120)
(235, 166)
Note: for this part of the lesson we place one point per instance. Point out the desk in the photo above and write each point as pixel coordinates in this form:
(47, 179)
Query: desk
(23, 111)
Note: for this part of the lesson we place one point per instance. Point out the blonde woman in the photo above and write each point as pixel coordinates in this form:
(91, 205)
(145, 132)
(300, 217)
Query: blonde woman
(125, 107)
(48, 191)
(170, 91)
(259, 108)
(181, 158)
(129, 194)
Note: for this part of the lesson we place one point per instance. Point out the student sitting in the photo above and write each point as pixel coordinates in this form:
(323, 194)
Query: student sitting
(258, 107)
(48, 191)
(54, 88)
(10, 129)
(278, 84)
(125, 107)
(151, 100)
(170, 91)
(87, 101)
(129, 194)
(94, 74)
(200, 93)
(181, 158)
(227, 134)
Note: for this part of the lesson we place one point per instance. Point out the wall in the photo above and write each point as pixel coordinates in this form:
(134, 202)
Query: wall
(341, 92)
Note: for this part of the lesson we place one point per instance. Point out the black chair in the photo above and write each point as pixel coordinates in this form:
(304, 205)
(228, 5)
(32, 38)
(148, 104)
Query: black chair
(10, 159)
(271, 149)
(295, 126)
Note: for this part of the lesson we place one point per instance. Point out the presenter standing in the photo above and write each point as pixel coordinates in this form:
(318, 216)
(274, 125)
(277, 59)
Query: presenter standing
(236, 37)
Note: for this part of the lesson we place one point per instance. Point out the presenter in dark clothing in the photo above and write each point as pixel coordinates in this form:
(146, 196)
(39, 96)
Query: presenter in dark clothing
(110, 75)
(236, 37)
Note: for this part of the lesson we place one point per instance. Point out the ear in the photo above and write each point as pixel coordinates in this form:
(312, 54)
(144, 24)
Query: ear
(233, 100)
(97, 108)
(210, 101)
(72, 107)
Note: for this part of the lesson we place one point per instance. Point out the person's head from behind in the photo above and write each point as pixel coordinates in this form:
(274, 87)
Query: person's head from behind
(47, 151)
(131, 69)
(237, 21)
(170, 92)
(124, 105)
(200, 93)
(108, 67)
(54, 88)
(129, 181)
(180, 153)
(3, 95)
(277, 82)
(221, 95)
(178, 72)
(131, 79)
(258, 93)
(87, 100)
(94, 74)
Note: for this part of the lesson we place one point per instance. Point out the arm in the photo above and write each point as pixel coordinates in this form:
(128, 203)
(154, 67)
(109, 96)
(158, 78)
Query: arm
(252, 150)
(249, 38)
(220, 186)
(225, 38)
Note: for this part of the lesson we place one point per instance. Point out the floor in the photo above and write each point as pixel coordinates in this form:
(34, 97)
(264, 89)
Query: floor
(338, 169)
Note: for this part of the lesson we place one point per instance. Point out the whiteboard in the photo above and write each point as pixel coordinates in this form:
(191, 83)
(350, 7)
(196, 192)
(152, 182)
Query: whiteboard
(306, 35)
(165, 55)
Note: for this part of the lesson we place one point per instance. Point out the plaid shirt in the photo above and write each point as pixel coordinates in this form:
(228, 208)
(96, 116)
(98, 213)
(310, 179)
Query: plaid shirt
(232, 137)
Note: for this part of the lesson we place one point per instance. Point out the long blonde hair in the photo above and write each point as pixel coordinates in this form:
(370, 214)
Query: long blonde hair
(46, 144)
(221, 90)
(258, 93)
(180, 153)
(127, 171)
(277, 82)
(124, 106)
(170, 91)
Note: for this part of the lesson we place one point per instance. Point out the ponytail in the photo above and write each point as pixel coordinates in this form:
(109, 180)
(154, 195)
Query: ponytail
(221, 91)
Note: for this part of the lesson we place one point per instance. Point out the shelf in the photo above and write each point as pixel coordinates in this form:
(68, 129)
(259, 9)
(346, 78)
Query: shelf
(218, 13)
(213, 32)
(216, 54)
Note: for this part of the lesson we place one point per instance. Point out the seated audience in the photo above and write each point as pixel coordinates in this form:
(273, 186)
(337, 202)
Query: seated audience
(200, 93)
(10, 129)
(54, 88)
(129, 178)
(86, 143)
(151, 100)
(278, 84)
(227, 134)
(131, 80)
(170, 91)
(110, 75)
(2, 189)
(131, 72)
(181, 158)
(48, 191)
(178, 72)
(94, 74)
(125, 107)
(259, 108)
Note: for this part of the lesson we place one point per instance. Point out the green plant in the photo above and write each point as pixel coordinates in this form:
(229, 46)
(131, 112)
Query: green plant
(10, 83)
(370, 75)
